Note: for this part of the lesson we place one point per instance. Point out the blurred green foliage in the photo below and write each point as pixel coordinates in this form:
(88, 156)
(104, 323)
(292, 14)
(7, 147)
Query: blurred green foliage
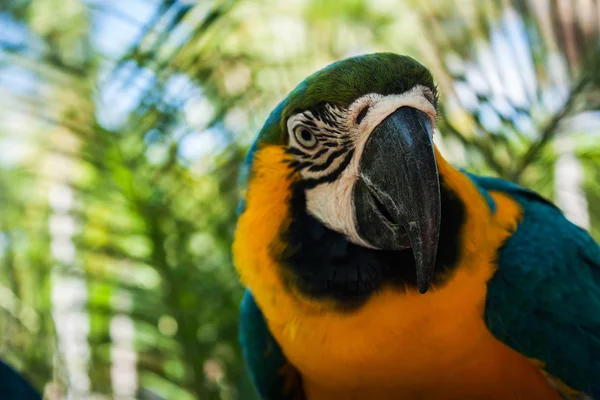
(123, 124)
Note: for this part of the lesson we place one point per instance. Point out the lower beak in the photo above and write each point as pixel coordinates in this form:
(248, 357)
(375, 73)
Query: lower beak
(397, 196)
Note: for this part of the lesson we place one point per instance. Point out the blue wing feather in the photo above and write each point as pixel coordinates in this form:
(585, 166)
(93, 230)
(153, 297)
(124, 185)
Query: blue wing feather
(263, 357)
(544, 300)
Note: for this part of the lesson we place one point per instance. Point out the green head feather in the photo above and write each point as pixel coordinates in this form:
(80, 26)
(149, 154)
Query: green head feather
(343, 82)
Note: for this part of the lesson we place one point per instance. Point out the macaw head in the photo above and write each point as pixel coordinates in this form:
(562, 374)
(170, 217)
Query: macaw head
(352, 149)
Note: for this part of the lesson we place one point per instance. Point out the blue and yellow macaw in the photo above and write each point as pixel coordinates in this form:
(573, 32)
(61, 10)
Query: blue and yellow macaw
(376, 270)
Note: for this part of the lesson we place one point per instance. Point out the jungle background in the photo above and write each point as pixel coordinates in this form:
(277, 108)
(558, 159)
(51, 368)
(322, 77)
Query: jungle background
(123, 124)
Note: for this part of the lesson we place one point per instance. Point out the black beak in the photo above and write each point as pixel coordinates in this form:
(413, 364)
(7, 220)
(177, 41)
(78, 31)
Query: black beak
(397, 196)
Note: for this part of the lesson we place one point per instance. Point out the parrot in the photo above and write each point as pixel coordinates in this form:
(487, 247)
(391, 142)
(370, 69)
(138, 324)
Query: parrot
(374, 269)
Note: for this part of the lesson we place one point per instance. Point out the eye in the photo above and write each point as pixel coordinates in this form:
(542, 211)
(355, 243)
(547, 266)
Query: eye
(305, 137)
(362, 114)
(428, 94)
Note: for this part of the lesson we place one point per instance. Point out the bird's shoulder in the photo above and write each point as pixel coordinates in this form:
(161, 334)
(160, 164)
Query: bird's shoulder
(271, 373)
(544, 299)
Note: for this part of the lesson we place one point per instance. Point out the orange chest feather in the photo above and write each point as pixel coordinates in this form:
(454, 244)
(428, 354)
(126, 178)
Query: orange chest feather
(399, 341)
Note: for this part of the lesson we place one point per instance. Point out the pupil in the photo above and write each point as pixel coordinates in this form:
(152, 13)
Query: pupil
(306, 135)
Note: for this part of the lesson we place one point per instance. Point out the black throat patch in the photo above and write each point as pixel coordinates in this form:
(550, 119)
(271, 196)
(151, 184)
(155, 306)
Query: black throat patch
(322, 264)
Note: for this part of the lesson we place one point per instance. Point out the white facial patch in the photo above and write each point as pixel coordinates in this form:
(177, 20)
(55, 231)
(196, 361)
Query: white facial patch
(331, 202)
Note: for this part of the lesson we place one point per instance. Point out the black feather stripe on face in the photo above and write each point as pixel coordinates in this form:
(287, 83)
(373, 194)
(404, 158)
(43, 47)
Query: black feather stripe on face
(330, 177)
(319, 153)
(296, 152)
(325, 135)
(328, 161)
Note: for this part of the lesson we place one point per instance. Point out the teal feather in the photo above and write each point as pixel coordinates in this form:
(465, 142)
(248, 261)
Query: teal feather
(263, 356)
(544, 300)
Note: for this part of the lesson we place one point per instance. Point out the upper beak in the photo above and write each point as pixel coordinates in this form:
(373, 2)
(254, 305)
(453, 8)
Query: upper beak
(397, 196)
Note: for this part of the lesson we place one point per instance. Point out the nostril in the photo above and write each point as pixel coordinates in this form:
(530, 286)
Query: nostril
(362, 114)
